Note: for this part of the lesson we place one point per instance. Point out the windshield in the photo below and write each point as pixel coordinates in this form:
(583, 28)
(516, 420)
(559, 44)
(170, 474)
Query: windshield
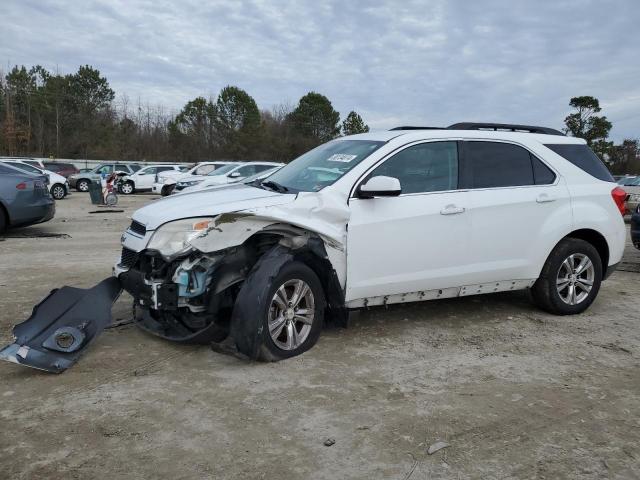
(323, 165)
(223, 169)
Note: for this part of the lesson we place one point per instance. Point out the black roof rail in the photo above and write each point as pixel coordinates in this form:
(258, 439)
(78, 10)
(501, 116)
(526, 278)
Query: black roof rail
(409, 127)
(504, 127)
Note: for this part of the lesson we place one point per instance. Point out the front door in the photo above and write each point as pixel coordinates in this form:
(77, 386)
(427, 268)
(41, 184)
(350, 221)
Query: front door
(416, 241)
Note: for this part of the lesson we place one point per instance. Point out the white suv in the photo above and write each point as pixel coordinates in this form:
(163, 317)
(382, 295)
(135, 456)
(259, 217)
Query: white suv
(374, 219)
(143, 179)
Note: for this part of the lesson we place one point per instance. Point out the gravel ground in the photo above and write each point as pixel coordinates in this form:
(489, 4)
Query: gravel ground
(514, 392)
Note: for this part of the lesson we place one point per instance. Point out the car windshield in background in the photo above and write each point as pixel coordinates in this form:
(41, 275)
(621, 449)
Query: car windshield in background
(323, 165)
(223, 169)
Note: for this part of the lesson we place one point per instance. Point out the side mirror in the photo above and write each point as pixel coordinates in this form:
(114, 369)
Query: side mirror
(380, 186)
(234, 175)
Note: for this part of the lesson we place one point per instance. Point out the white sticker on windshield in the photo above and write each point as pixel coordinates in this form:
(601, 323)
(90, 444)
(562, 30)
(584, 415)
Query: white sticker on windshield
(341, 157)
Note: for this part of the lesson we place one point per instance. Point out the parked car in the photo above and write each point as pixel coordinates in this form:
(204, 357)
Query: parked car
(208, 184)
(143, 179)
(24, 198)
(631, 186)
(80, 181)
(635, 227)
(363, 220)
(64, 169)
(166, 181)
(58, 185)
(231, 173)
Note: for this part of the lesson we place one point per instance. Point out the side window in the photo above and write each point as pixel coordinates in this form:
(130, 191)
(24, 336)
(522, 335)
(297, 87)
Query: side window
(541, 173)
(105, 169)
(262, 168)
(204, 170)
(164, 169)
(496, 164)
(122, 168)
(426, 167)
(246, 171)
(134, 167)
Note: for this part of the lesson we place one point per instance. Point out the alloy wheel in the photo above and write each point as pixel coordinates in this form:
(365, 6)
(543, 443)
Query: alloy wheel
(58, 192)
(291, 314)
(127, 188)
(575, 278)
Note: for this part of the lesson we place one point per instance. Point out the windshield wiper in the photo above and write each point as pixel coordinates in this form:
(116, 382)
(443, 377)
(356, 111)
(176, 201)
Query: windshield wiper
(275, 186)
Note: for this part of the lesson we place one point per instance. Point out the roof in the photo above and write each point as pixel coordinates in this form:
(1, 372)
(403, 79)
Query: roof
(413, 135)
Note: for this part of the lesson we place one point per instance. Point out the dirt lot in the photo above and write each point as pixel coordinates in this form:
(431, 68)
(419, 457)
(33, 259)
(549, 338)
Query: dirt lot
(515, 392)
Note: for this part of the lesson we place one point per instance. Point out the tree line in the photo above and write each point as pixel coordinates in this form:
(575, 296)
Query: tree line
(48, 114)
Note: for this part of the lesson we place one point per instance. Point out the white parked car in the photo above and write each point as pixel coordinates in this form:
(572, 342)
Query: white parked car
(212, 182)
(166, 181)
(58, 185)
(143, 179)
(376, 219)
(231, 173)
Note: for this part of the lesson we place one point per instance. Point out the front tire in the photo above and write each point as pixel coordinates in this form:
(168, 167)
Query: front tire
(127, 188)
(58, 191)
(570, 279)
(82, 185)
(289, 310)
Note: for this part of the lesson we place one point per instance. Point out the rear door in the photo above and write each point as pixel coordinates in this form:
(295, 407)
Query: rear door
(518, 207)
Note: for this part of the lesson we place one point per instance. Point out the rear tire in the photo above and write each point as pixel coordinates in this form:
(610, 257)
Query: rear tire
(82, 185)
(570, 279)
(58, 191)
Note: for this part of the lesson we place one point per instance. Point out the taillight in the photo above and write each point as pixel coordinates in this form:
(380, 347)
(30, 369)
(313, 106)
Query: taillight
(21, 186)
(619, 197)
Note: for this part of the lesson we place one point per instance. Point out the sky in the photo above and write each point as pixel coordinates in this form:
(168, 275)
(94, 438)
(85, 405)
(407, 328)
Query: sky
(428, 63)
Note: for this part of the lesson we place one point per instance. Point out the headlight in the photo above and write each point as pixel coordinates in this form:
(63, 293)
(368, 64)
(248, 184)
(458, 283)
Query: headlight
(174, 237)
(634, 197)
(189, 184)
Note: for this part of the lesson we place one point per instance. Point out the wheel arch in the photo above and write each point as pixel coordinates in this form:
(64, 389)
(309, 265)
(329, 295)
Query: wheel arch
(309, 248)
(596, 239)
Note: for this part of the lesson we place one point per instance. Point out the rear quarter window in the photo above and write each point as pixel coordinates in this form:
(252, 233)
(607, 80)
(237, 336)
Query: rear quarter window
(583, 158)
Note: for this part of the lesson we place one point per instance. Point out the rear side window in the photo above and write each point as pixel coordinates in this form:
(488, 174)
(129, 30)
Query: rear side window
(582, 157)
(542, 174)
(135, 168)
(496, 164)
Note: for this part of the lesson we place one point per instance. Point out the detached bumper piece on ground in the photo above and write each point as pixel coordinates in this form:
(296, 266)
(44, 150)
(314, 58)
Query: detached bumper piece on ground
(62, 326)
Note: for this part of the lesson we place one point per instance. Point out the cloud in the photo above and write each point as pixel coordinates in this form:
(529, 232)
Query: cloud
(414, 62)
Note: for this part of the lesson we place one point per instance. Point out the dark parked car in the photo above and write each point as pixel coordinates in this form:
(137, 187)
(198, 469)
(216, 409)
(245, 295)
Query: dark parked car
(635, 227)
(24, 198)
(64, 169)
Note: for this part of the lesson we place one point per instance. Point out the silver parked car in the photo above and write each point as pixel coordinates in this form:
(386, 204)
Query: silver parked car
(80, 181)
(24, 198)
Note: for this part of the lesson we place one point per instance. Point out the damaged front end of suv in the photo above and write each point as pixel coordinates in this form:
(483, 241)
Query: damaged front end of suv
(201, 279)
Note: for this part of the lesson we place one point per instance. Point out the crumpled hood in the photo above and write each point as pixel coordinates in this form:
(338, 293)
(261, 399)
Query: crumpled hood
(205, 203)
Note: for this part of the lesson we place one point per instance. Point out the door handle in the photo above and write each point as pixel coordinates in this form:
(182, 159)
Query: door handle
(545, 198)
(451, 210)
